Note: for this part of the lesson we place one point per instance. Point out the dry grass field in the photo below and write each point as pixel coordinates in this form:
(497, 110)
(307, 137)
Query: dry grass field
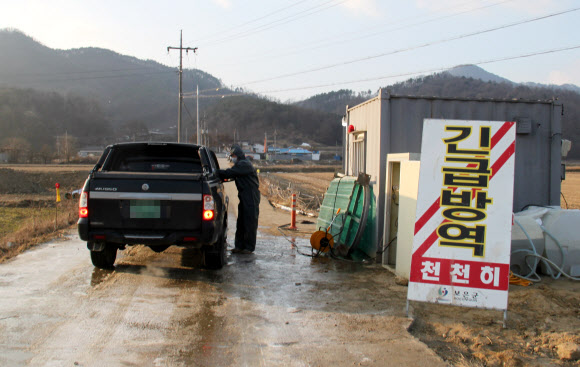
(29, 213)
(571, 189)
(315, 181)
(23, 228)
(49, 167)
(11, 219)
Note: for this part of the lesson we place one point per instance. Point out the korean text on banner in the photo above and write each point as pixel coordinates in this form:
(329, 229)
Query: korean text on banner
(462, 241)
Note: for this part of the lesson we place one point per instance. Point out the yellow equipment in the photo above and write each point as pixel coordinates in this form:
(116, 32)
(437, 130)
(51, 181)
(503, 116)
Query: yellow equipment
(321, 241)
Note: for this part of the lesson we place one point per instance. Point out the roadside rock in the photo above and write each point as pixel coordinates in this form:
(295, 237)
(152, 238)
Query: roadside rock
(401, 281)
(568, 351)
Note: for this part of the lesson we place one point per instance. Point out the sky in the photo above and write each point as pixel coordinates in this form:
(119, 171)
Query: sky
(290, 50)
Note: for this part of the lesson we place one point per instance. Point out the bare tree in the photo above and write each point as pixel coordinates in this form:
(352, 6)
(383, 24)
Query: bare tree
(46, 153)
(67, 147)
(16, 148)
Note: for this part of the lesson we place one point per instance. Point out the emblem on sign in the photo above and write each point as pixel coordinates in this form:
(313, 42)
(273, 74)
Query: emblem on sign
(145, 187)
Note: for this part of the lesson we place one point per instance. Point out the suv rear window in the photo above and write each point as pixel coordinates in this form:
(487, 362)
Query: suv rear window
(154, 158)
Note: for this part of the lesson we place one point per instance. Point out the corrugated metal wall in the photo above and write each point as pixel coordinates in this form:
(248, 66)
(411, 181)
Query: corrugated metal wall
(367, 117)
(537, 161)
(394, 124)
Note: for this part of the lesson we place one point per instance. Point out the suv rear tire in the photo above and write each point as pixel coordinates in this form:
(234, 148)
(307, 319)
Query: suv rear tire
(104, 259)
(215, 257)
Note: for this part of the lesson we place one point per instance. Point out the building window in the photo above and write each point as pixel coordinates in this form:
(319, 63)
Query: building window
(358, 150)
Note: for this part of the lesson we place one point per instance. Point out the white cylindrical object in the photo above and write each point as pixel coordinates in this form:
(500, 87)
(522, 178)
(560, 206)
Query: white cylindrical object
(521, 244)
(564, 225)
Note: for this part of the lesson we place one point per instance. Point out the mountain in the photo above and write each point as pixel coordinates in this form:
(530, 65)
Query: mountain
(99, 97)
(36, 122)
(475, 72)
(252, 117)
(127, 88)
(570, 87)
(334, 102)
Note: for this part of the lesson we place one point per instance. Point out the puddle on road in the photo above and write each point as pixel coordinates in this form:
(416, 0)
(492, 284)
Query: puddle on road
(276, 274)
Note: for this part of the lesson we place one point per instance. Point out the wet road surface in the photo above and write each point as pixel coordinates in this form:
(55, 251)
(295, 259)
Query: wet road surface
(272, 308)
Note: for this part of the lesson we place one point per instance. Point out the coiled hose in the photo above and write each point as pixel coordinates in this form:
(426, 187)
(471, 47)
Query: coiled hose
(533, 276)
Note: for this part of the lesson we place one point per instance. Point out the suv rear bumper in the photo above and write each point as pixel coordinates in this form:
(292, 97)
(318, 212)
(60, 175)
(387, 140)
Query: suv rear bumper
(195, 239)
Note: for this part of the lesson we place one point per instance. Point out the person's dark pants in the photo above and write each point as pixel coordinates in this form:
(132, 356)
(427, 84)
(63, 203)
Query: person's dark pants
(247, 226)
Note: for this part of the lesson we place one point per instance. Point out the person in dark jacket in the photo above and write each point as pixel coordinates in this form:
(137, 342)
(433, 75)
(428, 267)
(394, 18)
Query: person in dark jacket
(247, 183)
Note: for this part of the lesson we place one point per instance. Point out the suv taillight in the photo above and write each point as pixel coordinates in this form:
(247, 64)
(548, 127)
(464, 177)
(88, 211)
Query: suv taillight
(208, 207)
(84, 205)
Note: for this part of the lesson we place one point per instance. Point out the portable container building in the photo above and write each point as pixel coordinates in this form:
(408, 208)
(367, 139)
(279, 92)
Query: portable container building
(394, 124)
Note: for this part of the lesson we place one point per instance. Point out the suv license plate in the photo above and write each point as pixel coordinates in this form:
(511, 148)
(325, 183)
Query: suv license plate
(145, 209)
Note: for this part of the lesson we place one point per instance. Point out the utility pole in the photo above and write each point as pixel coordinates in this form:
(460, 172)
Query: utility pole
(66, 145)
(197, 115)
(206, 131)
(203, 131)
(187, 49)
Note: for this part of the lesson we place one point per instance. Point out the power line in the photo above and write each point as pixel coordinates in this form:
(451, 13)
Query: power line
(273, 24)
(278, 22)
(81, 71)
(208, 96)
(97, 77)
(366, 58)
(490, 61)
(319, 44)
(406, 74)
(417, 23)
(252, 21)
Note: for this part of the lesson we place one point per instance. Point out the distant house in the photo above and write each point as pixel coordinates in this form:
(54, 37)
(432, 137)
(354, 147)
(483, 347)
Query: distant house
(3, 158)
(292, 153)
(249, 151)
(258, 148)
(90, 152)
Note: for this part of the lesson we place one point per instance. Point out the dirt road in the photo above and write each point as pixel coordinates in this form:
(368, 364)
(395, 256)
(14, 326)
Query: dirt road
(272, 308)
